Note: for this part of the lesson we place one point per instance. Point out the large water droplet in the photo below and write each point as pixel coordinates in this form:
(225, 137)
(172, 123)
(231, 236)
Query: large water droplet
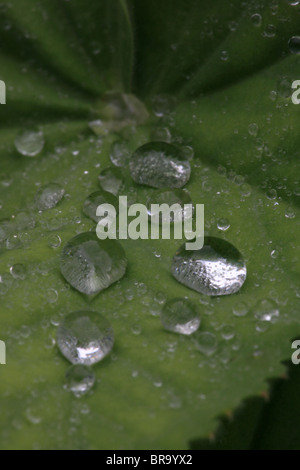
(96, 199)
(49, 196)
(217, 269)
(79, 379)
(85, 337)
(91, 265)
(30, 143)
(160, 165)
(180, 316)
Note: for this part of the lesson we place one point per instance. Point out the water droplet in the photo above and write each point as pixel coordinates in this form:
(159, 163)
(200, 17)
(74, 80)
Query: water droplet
(240, 309)
(180, 316)
(13, 242)
(224, 56)
(79, 379)
(188, 152)
(91, 265)
(266, 310)
(96, 199)
(160, 165)
(85, 337)
(30, 143)
(271, 194)
(228, 332)
(18, 271)
(111, 180)
(119, 153)
(223, 224)
(205, 342)
(49, 196)
(4, 229)
(256, 20)
(54, 241)
(216, 269)
(253, 129)
(270, 31)
(290, 212)
(294, 45)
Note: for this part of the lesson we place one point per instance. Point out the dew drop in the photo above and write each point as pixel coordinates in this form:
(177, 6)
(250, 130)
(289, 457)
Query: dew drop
(91, 265)
(79, 379)
(228, 332)
(160, 165)
(161, 134)
(96, 199)
(119, 153)
(216, 269)
(111, 180)
(240, 309)
(30, 143)
(49, 196)
(180, 316)
(253, 129)
(294, 45)
(18, 271)
(223, 224)
(266, 310)
(85, 337)
(256, 20)
(205, 342)
(163, 105)
(271, 194)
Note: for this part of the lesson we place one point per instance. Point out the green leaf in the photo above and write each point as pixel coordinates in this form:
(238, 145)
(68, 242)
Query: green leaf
(155, 390)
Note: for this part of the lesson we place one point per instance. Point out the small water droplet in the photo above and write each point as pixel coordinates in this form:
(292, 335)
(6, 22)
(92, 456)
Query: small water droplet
(271, 194)
(79, 379)
(169, 197)
(180, 316)
(49, 196)
(163, 105)
(294, 45)
(216, 269)
(224, 56)
(30, 143)
(290, 212)
(91, 265)
(256, 20)
(266, 310)
(270, 31)
(85, 337)
(228, 332)
(253, 129)
(161, 134)
(160, 165)
(223, 224)
(54, 241)
(18, 271)
(13, 242)
(205, 342)
(240, 309)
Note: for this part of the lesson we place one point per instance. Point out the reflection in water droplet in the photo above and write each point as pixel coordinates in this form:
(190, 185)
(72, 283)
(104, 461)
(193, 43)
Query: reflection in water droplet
(205, 342)
(111, 180)
(79, 379)
(91, 265)
(217, 269)
(96, 199)
(160, 165)
(30, 143)
(180, 316)
(85, 337)
(294, 45)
